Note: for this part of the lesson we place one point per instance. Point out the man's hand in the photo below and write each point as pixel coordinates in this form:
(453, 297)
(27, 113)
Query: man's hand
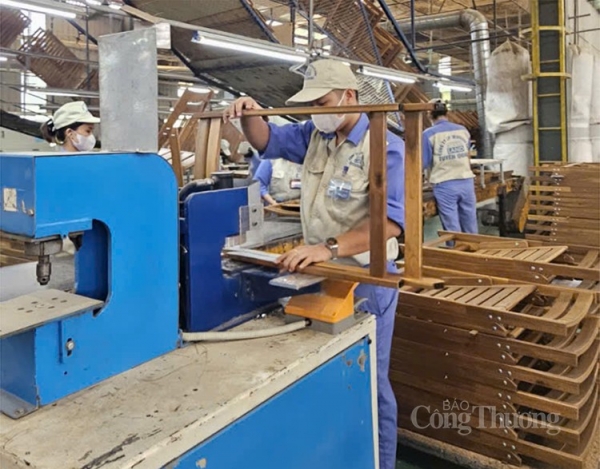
(236, 108)
(301, 257)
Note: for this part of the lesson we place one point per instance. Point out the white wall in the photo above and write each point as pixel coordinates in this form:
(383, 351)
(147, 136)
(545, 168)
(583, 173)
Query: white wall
(11, 141)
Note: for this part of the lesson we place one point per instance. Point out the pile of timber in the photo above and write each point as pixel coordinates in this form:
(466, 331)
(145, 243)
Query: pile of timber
(12, 252)
(518, 260)
(505, 371)
(565, 204)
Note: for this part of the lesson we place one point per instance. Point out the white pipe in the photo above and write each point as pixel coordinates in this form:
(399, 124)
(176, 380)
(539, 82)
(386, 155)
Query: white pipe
(243, 335)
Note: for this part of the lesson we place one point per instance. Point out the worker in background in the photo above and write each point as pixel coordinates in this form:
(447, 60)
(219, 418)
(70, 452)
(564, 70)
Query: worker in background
(334, 152)
(279, 180)
(71, 127)
(446, 156)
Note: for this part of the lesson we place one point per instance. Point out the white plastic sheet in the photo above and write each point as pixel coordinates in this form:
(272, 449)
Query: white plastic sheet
(507, 99)
(595, 112)
(582, 82)
(515, 148)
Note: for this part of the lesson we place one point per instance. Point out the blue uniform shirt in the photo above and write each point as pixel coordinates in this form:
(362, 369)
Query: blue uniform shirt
(263, 175)
(291, 142)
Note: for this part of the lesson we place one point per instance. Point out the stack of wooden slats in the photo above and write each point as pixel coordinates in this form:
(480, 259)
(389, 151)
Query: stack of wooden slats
(529, 261)
(12, 24)
(565, 204)
(505, 371)
(67, 74)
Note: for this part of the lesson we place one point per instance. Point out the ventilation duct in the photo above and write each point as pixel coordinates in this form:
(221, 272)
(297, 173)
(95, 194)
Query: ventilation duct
(476, 24)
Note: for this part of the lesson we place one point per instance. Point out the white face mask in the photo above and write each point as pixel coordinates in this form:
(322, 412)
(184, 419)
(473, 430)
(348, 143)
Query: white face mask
(84, 142)
(328, 123)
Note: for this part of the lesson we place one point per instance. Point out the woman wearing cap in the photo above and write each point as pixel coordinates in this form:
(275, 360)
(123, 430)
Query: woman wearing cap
(334, 203)
(71, 127)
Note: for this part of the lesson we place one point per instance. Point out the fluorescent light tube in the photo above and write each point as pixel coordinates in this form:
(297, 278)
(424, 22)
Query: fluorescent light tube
(391, 76)
(38, 9)
(225, 43)
(197, 89)
(464, 89)
(3, 59)
(95, 3)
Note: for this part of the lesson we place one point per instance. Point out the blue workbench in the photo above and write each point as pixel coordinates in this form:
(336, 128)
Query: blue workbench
(302, 400)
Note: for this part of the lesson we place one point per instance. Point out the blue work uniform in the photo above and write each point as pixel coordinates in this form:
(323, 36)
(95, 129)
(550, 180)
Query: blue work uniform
(325, 211)
(446, 154)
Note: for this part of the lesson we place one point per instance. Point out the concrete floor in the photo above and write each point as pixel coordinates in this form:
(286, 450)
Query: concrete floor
(409, 458)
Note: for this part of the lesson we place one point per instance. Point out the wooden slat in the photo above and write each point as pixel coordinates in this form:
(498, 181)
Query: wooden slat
(202, 134)
(413, 253)
(176, 157)
(378, 198)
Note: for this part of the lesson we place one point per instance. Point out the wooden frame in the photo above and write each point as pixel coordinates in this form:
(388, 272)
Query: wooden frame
(377, 183)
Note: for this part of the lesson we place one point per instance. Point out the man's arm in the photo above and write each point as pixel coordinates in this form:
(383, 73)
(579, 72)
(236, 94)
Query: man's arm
(287, 141)
(427, 150)
(263, 176)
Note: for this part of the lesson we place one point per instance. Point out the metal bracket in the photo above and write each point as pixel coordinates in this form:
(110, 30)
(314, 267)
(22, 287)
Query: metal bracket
(14, 406)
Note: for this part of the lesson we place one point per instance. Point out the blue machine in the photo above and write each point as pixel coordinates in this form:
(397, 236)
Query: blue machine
(122, 211)
(323, 420)
(212, 298)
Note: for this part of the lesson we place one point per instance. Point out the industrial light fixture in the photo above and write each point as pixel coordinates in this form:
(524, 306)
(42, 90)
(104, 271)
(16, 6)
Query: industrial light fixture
(245, 45)
(197, 89)
(38, 9)
(115, 5)
(386, 74)
(445, 86)
(3, 59)
(95, 3)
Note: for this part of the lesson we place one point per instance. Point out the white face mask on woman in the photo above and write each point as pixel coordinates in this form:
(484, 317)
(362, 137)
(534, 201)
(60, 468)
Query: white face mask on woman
(328, 123)
(84, 142)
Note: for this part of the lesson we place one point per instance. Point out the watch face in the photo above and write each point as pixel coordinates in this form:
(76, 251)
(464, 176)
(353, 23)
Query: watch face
(331, 241)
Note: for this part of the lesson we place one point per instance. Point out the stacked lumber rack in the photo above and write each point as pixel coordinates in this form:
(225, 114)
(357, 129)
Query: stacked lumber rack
(522, 260)
(564, 204)
(12, 25)
(57, 65)
(517, 364)
(12, 252)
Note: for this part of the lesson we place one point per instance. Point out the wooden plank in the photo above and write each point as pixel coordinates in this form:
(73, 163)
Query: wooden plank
(202, 133)
(413, 196)
(502, 294)
(512, 300)
(310, 110)
(326, 269)
(213, 147)
(176, 157)
(378, 196)
(536, 272)
(504, 244)
(589, 259)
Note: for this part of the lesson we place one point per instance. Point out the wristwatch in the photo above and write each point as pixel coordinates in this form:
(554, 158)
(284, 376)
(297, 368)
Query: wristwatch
(332, 245)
